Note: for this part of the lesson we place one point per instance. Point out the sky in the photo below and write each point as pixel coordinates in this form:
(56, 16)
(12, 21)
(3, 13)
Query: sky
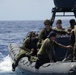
(25, 9)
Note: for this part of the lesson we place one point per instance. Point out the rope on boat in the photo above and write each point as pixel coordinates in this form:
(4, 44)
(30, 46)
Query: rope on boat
(66, 58)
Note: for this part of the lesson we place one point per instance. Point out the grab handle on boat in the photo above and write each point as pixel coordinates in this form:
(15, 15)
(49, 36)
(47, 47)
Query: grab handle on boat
(46, 65)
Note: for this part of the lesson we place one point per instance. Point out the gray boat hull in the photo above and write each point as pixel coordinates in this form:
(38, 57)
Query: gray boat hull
(58, 68)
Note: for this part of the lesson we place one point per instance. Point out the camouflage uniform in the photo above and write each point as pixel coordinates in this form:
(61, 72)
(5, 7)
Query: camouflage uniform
(44, 33)
(69, 29)
(42, 36)
(26, 49)
(74, 50)
(60, 31)
(72, 23)
(46, 52)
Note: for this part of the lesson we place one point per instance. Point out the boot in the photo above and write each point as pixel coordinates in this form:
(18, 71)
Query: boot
(13, 66)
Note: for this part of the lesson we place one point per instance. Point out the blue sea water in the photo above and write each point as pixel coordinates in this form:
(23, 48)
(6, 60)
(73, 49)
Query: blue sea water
(15, 32)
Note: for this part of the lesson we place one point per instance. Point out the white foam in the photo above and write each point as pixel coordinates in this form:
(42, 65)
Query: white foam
(5, 64)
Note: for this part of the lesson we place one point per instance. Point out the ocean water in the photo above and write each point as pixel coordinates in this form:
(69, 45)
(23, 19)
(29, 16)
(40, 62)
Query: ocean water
(15, 32)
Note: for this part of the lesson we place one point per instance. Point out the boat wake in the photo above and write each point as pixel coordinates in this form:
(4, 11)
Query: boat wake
(5, 64)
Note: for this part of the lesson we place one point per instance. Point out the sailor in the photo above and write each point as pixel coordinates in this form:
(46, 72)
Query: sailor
(46, 52)
(72, 23)
(59, 29)
(28, 48)
(59, 25)
(44, 32)
(73, 42)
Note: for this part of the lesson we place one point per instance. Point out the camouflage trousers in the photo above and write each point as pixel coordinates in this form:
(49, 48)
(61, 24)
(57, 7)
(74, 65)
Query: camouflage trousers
(22, 53)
